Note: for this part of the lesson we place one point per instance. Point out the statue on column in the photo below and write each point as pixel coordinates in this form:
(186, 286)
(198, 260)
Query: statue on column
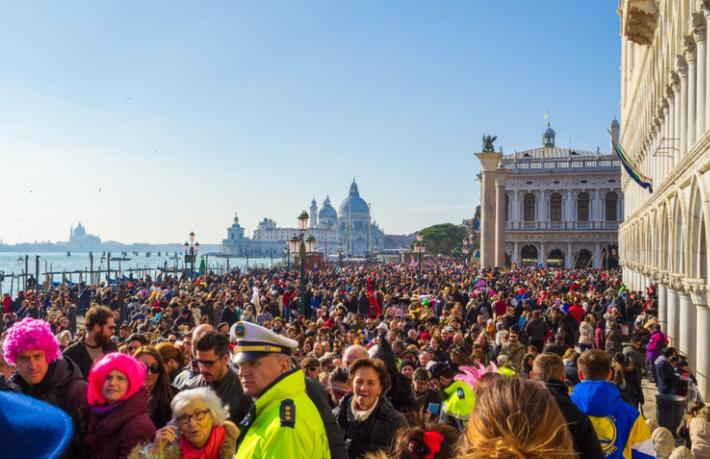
(488, 143)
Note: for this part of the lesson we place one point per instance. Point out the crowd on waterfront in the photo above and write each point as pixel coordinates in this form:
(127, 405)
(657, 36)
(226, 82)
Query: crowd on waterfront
(371, 360)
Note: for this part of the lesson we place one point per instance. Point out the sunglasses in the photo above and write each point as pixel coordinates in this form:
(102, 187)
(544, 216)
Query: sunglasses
(207, 363)
(155, 369)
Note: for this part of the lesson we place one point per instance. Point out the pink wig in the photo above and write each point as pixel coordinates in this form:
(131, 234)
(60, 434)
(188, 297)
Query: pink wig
(31, 334)
(129, 366)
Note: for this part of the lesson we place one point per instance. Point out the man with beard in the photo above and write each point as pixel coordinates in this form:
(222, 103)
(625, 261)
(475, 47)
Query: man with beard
(100, 326)
(42, 372)
(212, 352)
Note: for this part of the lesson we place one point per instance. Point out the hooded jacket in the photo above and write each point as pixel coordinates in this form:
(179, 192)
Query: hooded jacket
(584, 438)
(621, 430)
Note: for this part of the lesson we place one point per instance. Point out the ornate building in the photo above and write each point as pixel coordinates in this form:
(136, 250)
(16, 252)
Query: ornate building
(351, 230)
(665, 119)
(550, 206)
(79, 240)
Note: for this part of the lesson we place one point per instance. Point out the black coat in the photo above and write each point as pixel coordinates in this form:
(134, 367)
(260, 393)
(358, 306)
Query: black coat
(79, 355)
(63, 387)
(580, 427)
(376, 433)
(318, 396)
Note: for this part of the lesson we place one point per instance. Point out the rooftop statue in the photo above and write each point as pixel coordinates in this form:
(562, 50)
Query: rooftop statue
(488, 143)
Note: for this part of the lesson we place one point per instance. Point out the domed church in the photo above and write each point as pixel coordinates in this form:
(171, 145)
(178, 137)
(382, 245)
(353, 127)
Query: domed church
(350, 230)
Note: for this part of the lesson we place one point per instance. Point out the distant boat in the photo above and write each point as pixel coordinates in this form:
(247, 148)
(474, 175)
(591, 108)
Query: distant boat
(68, 253)
(120, 259)
(147, 254)
(158, 253)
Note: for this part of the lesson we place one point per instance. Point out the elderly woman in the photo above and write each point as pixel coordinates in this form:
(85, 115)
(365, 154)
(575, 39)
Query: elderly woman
(199, 429)
(366, 416)
(118, 417)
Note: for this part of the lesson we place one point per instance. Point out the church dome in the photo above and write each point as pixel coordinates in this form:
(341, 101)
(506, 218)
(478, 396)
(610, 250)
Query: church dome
(327, 211)
(353, 204)
(548, 137)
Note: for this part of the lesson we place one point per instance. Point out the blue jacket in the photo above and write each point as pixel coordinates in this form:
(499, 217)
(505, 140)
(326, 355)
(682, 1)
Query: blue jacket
(622, 431)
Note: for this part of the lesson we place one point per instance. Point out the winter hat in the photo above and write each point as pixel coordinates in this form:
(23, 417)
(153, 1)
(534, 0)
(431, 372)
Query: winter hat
(129, 366)
(681, 452)
(663, 442)
(25, 419)
(32, 334)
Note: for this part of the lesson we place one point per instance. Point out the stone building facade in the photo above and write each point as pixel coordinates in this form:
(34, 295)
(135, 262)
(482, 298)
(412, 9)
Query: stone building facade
(559, 207)
(665, 124)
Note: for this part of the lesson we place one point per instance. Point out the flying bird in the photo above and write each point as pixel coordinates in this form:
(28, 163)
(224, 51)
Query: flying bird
(99, 189)
(128, 98)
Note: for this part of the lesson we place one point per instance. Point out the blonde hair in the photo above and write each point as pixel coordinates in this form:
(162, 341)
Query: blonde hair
(517, 419)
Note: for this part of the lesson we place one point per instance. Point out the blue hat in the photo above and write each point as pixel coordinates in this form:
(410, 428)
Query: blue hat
(33, 428)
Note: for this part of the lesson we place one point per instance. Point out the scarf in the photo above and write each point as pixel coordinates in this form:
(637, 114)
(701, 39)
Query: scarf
(209, 451)
(360, 415)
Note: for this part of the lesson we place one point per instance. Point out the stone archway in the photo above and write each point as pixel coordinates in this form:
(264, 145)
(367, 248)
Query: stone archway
(556, 258)
(528, 255)
(584, 259)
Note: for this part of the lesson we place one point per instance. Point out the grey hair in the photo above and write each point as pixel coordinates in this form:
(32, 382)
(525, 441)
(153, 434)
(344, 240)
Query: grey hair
(214, 404)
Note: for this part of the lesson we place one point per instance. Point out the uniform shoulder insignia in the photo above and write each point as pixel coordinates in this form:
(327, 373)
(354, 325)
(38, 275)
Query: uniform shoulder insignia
(460, 393)
(288, 413)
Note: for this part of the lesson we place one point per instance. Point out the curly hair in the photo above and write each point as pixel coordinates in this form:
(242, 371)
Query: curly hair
(32, 334)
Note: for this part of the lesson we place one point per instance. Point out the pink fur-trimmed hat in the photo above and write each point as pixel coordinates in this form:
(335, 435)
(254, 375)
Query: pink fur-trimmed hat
(129, 366)
(30, 334)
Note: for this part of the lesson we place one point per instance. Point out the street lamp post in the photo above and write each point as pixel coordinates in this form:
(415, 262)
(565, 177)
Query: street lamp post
(419, 249)
(340, 257)
(300, 246)
(191, 248)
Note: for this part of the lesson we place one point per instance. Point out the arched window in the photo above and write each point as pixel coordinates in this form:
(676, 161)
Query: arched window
(555, 207)
(583, 207)
(529, 207)
(610, 201)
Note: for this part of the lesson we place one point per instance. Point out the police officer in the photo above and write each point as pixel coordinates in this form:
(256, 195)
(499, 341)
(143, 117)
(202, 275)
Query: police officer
(458, 397)
(284, 422)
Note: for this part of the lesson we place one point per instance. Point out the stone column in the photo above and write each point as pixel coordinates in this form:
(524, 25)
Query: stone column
(672, 310)
(663, 304)
(686, 333)
(568, 256)
(489, 163)
(690, 58)
(699, 35)
(702, 344)
(683, 74)
(516, 253)
(597, 255)
(666, 151)
(542, 255)
(698, 299)
(514, 211)
(501, 178)
(671, 143)
(705, 10)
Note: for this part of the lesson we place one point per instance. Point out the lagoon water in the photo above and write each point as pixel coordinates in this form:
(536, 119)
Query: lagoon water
(13, 262)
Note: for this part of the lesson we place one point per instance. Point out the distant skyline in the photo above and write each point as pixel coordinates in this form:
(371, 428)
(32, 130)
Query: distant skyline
(148, 120)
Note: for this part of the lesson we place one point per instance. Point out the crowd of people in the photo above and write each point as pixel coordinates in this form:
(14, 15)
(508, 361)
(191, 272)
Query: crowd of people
(373, 361)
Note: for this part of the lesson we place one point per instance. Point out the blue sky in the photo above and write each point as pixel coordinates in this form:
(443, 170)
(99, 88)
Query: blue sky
(182, 113)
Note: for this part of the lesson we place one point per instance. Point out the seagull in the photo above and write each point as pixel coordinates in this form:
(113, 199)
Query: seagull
(99, 189)
(128, 98)
(30, 191)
